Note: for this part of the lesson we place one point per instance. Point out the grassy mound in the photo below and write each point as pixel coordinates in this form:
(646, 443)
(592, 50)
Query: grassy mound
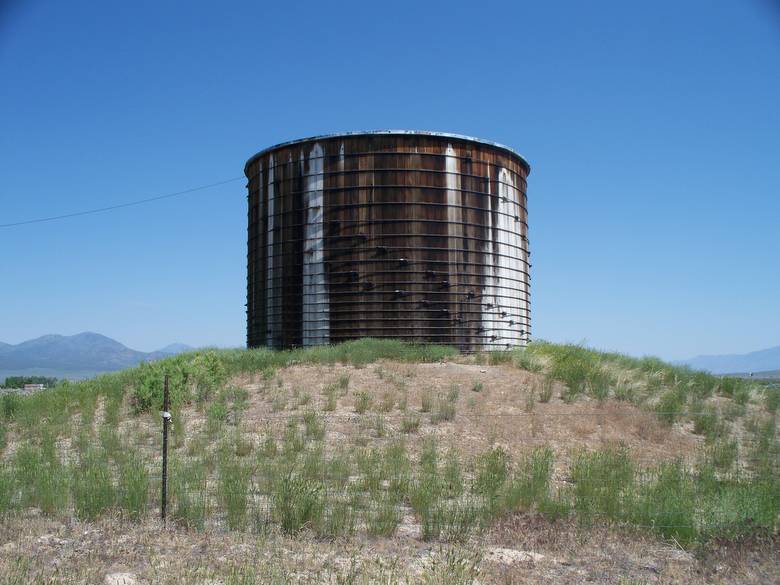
(298, 441)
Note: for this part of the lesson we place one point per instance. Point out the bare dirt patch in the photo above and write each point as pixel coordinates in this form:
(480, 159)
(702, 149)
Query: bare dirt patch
(496, 405)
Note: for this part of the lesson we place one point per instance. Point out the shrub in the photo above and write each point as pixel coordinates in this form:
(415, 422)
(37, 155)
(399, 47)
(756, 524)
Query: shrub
(10, 403)
(525, 360)
(379, 426)
(343, 383)
(700, 384)
(625, 392)
(599, 382)
(383, 517)
(426, 401)
(216, 416)
(387, 402)
(208, 373)
(603, 481)
(742, 394)
(545, 389)
(451, 567)
(670, 405)
(269, 448)
(92, 487)
(452, 475)
(279, 401)
(149, 381)
(706, 421)
(445, 406)
(133, 488)
(362, 401)
(302, 398)
(331, 397)
(452, 520)
(570, 365)
(410, 423)
(723, 454)
(7, 489)
(41, 479)
(293, 440)
(531, 481)
(338, 519)
(297, 502)
(772, 399)
(188, 493)
(492, 473)
(314, 425)
(727, 386)
(233, 493)
(666, 501)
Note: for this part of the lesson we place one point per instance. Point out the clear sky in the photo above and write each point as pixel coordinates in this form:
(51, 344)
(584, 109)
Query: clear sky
(652, 129)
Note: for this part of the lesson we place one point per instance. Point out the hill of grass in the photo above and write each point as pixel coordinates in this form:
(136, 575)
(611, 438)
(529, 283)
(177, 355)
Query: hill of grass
(373, 461)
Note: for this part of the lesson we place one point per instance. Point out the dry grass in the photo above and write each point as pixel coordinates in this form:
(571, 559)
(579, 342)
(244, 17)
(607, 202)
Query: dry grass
(523, 549)
(362, 434)
(496, 415)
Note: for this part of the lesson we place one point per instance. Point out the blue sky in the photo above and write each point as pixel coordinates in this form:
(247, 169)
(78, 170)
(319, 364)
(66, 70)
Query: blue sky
(652, 129)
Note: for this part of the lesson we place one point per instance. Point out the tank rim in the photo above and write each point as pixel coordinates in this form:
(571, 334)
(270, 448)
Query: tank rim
(390, 132)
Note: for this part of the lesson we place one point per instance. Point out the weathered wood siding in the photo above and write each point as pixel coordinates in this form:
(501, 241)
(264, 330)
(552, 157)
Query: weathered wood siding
(412, 236)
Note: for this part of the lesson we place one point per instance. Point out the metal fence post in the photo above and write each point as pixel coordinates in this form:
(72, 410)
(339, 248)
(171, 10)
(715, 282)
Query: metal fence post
(166, 415)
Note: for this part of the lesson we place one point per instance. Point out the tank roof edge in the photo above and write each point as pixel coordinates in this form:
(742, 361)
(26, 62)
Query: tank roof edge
(391, 133)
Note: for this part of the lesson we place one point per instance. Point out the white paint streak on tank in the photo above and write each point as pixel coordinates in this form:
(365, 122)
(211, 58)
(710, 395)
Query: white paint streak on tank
(316, 315)
(488, 297)
(509, 265)
(454, 209)
(271, 303)
(524, 284)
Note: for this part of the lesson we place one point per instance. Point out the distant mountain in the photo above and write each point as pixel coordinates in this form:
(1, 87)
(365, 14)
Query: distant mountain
(174, 348)
(757, 361)
(74, 356)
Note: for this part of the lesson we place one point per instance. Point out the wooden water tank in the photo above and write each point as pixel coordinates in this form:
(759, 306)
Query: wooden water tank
(419, 236)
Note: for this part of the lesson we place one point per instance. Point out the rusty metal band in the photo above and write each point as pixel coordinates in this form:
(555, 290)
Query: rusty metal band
(382, 258)
(374, 306)
(283, 276)
(366, 223)
(414, 336)
(337, 261)
(522, 296)
(454, 321)
(339, 206)
(337, 173)
(373, 153)
(378, 240)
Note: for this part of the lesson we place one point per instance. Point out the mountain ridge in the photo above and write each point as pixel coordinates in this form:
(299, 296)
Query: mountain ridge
(74, 356)
(762, 360)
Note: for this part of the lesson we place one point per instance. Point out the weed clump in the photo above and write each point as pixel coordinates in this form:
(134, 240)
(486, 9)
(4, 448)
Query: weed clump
(445, 406)
(297, 502)
(362, 401)
(133, 488)
(410, 423)
(670, 405)
(234, 481)
(545, 389)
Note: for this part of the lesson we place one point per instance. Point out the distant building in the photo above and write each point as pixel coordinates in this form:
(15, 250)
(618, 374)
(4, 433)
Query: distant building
(32, 387)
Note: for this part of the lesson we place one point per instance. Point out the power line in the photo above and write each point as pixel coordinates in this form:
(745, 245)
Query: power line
(120, 205)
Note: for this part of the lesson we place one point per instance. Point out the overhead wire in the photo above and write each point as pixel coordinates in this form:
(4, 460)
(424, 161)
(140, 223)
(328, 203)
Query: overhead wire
(119, 205)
